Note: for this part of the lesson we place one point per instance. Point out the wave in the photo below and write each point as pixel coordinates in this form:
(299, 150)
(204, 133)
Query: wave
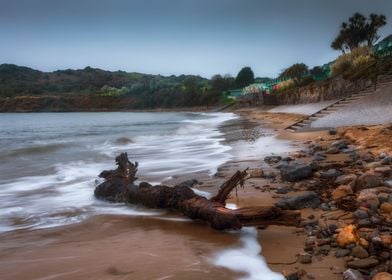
(247, 259)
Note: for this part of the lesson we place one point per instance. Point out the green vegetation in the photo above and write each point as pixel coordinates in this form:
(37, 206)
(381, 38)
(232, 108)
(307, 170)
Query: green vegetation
(295, 71)
(146, 91)
(358, 31)
(245, 77)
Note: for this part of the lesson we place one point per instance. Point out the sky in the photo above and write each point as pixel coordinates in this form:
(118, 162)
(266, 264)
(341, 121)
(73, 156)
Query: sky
(200, 37)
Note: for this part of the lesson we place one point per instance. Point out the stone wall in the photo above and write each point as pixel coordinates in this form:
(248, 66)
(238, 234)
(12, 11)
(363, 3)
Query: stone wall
(326, 90)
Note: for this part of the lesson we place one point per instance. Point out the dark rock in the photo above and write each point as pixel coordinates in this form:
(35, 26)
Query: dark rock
(385, 255)
(324, 207)
(368, 158)
(351, 274)
(359, 252)
(332, 131)
(386, 160)
(364, 223)
(287, 159)
(319, 156)
(283, 190)
(345, 179)
(363, 263)
(330, 174)
(296, 171)
(304, 200)
(366, 181)
(305, 258)
(340, 144)
(269, 175)
(188, 183)
(325, 249)
(342, 253)
(360, 214)
(272, 159)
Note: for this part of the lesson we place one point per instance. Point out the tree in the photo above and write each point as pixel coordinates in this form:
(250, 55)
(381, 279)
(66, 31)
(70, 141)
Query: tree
(317, 71)
(245, 77)
(358, 31)
(295, 71)
(372, 26)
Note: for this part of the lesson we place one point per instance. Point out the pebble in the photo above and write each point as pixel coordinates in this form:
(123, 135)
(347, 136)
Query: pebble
(305, 258)
(363, 263)
(342, 253)
(360, 214)
(359, 252)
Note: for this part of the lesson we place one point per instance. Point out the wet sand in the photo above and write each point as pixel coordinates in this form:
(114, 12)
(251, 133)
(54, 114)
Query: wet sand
(123, 247)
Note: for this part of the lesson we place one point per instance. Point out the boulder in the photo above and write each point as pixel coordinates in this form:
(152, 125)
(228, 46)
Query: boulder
(384, 170)
(305, 258)
(368, 199)
(340, 144)
(367, 181)
(341, 191)
(296, 171)
(342, 253)
(300, 201)
(386, 208)
(363, 263)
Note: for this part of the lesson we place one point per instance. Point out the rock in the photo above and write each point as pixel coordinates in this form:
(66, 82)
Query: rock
(363, 242)
(319, 156)
(325, 249)
(373, 165)
(332, 131)
(330, 174)
(342, 253)
(287, 159)
(340, 144)
(269, 175)
(272, 159)
(256, 173)
(384, 170)
(332, 150)
(305, 258)
(388, 183)
(382, 276)
(368, 199)
(359, 252)
(345, 179)
(368, 157)
(386, 208)
(360, 214)
(364, 222)
(348, 235)
(366, 181)
(283, 190)
(296, 171)
(363, 263)
(386, 160)
(296, 202)
(324, 207)
(341, 191)
(351, 274)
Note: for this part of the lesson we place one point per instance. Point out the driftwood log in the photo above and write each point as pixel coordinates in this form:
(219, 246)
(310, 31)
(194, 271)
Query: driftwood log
(119, 186)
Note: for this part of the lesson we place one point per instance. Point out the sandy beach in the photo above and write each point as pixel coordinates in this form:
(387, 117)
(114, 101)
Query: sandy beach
(173, 247)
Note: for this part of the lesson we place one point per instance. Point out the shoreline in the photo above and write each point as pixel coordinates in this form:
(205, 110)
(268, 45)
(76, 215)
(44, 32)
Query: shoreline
(261, 189)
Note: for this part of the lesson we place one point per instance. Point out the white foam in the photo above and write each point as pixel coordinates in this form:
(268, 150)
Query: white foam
(247, 259)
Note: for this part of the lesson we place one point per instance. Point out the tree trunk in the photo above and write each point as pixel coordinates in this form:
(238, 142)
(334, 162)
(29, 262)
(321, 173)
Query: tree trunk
(119, 187)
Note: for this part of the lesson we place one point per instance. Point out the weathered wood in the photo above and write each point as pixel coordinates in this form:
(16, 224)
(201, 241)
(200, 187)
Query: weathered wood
(228, 186)
(119, 187)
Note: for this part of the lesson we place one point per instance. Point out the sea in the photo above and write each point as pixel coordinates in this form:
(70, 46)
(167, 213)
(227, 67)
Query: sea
(49, 166)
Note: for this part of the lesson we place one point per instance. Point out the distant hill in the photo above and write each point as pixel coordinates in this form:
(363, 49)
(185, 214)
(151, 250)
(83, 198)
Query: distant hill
(17, 80)
(26, 89)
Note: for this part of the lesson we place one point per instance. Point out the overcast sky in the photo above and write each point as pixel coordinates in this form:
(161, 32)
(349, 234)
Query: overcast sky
(202, 37)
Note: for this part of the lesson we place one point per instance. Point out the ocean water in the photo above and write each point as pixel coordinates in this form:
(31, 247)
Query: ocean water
(49, 166)
(49, 162)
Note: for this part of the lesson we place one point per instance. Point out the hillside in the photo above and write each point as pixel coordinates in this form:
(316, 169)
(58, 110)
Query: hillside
(26, 89)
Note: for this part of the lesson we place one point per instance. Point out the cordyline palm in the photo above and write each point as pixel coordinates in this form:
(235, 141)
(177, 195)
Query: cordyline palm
(372, 26)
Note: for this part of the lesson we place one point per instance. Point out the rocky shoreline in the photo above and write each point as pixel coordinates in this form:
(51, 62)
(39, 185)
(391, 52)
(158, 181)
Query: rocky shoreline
(344, 191)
